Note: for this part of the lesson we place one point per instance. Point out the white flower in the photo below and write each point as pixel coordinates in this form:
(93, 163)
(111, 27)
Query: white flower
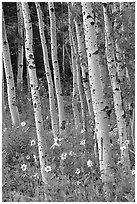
(47, 117)
(126, 142)
(89, 163)
(111, 145)
(24, 167)
(82, 142)
(77, 171)
(123, 148)
(63, 155)
(23, 124)
(32, 142)
(47, 169)
(27, 157)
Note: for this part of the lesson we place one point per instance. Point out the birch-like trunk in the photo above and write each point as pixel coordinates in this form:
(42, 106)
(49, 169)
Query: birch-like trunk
(79, 80)
(101, 120)
(53, 113)
(119, 111)
(20, 48)
(9, 78)
(62, 120)
(83, 64)
(34, 90)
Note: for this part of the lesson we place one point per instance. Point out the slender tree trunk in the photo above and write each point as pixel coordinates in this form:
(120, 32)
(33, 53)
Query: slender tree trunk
(20, 48)
(53, 113)
(79, 80)
(83, 64)
(59, 95)
(119, 111)
(9, 78)
(34, 91)
(101, 120)
(75, 87)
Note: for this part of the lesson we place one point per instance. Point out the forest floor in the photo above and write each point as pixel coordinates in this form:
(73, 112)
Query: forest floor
(72, 168)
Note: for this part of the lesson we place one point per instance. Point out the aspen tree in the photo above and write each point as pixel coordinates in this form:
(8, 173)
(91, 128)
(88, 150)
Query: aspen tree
(119, 111)
(75, 88)
(101, 120)
(20, 48)
(9, 78)
(59, 94)
(34, 90)
(48, 73)
(79, 82)
(83, 64)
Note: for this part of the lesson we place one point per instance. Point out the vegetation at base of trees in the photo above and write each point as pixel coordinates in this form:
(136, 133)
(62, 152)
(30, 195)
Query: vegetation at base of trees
(75, 162)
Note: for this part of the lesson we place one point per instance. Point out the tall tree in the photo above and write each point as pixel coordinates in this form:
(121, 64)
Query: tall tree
(34, 90)
(48, 73)
(20, 48)
(9, 78)
(75, 88)
(101, 120)
(62, 120)
(79, 80)
(119, 111)
(83, 61)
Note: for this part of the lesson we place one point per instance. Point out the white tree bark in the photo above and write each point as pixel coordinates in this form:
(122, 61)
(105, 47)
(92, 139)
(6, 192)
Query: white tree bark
(62, 120)
(34, 90)
(20, 48)
(9, 78)
(53, 113)
(101, 120)
(119, 111)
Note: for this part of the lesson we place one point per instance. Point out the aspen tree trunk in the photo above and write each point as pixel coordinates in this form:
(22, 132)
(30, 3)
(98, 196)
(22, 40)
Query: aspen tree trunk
(34, 90)
(79, 81)
(9, 78)
(83, 64)
(119, 111)
(59, 95)
(53, 113)
(101, 120)
(75, 88)
(20, 48)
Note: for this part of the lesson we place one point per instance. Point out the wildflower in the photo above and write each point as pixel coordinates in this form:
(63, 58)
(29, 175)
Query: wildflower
(27, 157)
(32, 142)
(24, 167)
(118, 141)
(89, 163)
(48, 169)
(123, 148)
(23, 124)
(82, 142)
(63, 155)
(126, 142)
(47, 117)
(77, 171)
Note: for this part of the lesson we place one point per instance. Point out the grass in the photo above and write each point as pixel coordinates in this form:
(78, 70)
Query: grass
(72, 169)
